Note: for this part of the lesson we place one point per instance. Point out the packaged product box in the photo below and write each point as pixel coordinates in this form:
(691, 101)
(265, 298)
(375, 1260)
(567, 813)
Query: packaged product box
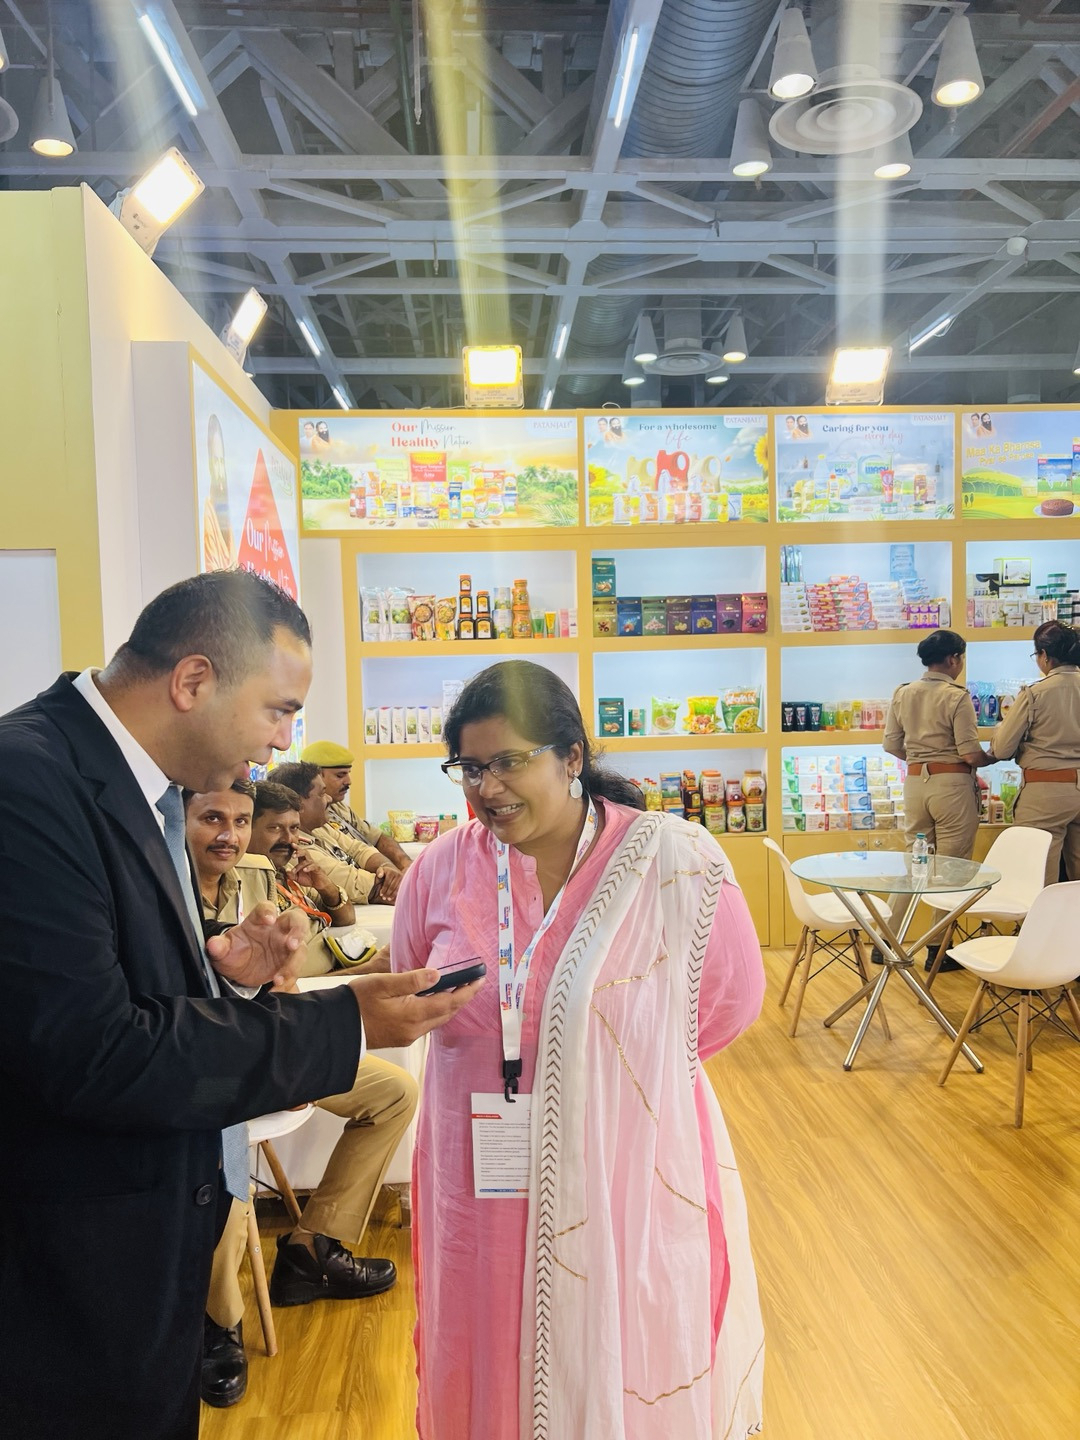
(423, 724)
(628, 614)
(671, 786)
(813, 800)
(371, 726)
(755, 614)
(729, 614)
(853, 764)
(605, 619)
(838, 819)
(856, 784)
(397, 725)
(806, 765)
(703, 614)
(863, 820)
(792, 804)
(860, 802)
(611, 717)
(436, 724)
(815, 820)
(412, 725)
(386, 725)
(636, 721)
(793, 822)
(678, 615)
(1015, 571)
(832, 784)
(654, 615)
(830, 765)
(603, 577)
(451, 689)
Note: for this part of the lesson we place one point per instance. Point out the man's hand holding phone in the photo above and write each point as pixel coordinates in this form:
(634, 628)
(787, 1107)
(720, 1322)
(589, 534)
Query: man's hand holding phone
(395, 1013)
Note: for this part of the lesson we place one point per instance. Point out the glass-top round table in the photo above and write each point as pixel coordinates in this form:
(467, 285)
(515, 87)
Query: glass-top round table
(860, 879)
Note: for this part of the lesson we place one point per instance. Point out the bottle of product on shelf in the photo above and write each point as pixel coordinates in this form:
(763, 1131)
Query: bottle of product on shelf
(502, 614)
(521, 612)
(485, 627)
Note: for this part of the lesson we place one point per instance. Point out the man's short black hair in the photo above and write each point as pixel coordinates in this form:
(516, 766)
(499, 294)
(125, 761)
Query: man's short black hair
(242, 787)
(229, 616)
(274, 799)
(298, 775)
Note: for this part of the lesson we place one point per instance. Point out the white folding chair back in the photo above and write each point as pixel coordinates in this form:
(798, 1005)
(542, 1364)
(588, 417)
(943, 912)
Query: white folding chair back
(1043, 956)
(1019, 855)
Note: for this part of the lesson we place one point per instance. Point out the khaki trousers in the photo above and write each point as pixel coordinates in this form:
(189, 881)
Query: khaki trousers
(1054, 806)
(377, 1110)
(946, 809)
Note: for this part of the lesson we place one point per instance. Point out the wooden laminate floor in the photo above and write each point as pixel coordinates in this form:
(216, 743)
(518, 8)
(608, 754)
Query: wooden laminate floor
(918, 1257)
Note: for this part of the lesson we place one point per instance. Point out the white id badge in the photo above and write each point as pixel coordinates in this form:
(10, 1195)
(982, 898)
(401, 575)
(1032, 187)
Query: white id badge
(500, 1144)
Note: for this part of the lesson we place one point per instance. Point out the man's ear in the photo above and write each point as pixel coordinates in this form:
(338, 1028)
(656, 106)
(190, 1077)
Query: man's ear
(192, 678)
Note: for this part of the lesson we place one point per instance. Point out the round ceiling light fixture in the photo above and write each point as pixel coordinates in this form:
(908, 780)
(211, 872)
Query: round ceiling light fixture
(852, 109)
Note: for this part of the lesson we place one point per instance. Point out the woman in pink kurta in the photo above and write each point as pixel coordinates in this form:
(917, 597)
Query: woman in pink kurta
(618, 1299)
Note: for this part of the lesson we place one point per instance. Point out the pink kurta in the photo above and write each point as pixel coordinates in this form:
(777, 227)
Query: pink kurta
(470, 1254)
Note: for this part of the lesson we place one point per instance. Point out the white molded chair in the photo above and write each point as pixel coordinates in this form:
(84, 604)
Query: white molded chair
(262, 1132)
(818, 913)
(1019, 853)
(1042, 961)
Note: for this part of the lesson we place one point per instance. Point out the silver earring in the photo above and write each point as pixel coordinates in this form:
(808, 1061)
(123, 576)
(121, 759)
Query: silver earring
(576, 791)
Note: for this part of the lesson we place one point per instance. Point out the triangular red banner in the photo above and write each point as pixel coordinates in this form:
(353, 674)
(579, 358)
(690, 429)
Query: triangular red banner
(262, 543)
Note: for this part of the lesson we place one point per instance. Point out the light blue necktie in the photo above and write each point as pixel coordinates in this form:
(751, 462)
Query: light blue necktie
(234, 1140)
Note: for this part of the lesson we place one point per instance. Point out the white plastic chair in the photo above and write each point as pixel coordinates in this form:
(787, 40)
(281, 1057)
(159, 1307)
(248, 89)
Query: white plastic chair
(261, 1134)
(818, 913)
(1041, 961)
(1019, 854)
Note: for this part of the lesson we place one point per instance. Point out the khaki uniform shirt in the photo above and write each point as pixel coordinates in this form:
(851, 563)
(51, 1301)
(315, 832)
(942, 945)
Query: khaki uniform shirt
(342, 861)
(343, 819)
(931, 719)
(1043, 727)
(249, 883)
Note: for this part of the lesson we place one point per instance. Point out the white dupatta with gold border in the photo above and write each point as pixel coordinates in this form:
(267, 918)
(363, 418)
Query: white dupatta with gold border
(617, 1325)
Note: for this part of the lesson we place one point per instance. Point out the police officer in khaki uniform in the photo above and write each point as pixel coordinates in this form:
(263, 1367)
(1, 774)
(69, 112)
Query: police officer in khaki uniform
(312, 1262)
(1043, 731)
(336, 763)
(931, 724)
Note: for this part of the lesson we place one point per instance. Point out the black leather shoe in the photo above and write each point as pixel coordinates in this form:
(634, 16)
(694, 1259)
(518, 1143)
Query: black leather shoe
(224, 1365)
(947, 962)
(876, 957)
(332, 1273)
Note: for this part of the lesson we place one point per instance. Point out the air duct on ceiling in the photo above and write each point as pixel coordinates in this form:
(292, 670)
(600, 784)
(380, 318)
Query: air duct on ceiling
(685, 107)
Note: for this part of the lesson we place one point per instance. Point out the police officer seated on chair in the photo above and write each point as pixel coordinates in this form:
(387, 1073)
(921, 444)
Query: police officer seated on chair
(335, 765)
(312, 1262)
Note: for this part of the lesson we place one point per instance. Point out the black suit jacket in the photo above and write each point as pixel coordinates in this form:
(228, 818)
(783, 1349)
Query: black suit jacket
(119, 1071)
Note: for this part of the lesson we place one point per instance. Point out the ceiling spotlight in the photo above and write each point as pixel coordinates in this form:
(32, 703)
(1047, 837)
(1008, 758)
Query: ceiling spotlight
(793, 70)
(493, 376)
(249, 315)
(645, 351)
(51, 134)
(735, 351)
(157, 199)
(894, 160)
(750, 153)
(632, 373)
(858, 376)
(719, 377)
(958, 79)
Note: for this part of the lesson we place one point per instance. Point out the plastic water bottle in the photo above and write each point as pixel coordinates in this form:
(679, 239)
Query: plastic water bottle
(920, 859)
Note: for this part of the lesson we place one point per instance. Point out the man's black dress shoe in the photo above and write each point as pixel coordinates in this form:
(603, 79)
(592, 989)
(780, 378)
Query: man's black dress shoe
(224, 1365)
(947, 963)
(332, 1273)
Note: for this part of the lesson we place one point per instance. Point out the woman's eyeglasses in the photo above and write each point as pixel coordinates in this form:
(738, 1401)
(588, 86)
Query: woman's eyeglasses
(468, 772)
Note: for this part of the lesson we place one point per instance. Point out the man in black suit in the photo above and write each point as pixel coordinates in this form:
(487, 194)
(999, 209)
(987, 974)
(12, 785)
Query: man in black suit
(129, 1052)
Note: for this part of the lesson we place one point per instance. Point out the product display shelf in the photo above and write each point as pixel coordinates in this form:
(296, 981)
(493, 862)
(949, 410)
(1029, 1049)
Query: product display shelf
(441, 649)
(748, 854)
(800, 638)
(826, 739)
(751, 740)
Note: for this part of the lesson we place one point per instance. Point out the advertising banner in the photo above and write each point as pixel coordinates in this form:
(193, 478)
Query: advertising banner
(663, 469)
(1020, 463)
(865, 466)
(452, 472)
(246, 488)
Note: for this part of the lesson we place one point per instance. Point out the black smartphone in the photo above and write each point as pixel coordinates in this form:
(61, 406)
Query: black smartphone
(455, 979)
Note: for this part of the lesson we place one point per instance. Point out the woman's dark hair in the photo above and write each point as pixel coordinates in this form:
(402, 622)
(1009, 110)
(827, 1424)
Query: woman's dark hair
(542, 708)
(939, 645)
(1059, 642)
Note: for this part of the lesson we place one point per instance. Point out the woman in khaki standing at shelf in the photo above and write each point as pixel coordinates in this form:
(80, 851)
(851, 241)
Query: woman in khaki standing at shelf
(1042, 730)
(931, 724)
